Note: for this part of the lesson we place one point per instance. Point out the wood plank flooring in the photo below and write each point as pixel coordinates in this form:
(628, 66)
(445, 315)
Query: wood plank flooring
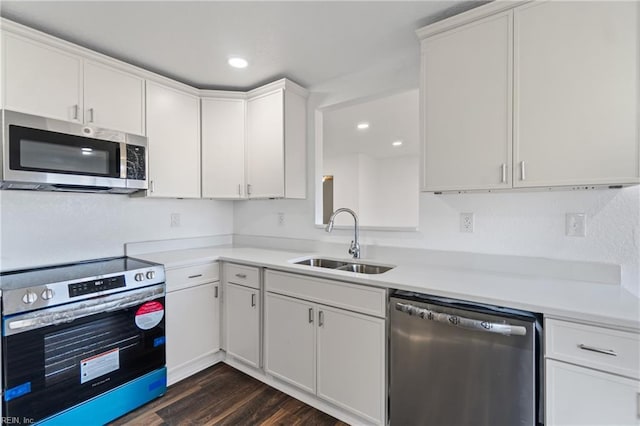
(222, 395)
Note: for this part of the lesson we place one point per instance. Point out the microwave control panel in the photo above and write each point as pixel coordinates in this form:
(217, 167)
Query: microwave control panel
(96, 286)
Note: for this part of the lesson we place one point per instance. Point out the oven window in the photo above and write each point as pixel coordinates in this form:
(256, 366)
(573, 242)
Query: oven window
(96, 347)
(46, 151)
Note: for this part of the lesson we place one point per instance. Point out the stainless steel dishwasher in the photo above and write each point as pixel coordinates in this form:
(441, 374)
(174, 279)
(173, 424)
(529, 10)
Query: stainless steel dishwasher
(455, 363)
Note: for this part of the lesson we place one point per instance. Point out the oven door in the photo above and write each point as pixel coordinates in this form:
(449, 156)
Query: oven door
(56, 358)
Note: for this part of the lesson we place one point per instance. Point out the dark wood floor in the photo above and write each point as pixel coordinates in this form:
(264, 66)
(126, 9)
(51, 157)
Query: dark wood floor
(222, 395)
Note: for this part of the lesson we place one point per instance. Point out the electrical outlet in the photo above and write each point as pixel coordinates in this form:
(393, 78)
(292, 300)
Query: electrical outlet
(280, 218)
(175, 220)
(466, 222)
(576, 224)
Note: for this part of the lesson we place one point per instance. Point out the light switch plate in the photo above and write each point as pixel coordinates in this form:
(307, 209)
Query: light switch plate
(576, 224)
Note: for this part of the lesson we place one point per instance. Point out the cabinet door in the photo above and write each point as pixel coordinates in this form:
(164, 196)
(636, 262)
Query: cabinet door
(223, 148)
(290, 340)
(265, 145)
(192, 324)
(173, 131)
(41, 80)
(580, 396)
(113, 99)
(576, 93)
(467, 83)
(351, 362)
(242, 308)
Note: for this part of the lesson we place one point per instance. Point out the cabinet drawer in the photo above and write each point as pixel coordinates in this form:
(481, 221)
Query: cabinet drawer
(354, 297)
(244, 275)
(596, 347)
(189, 276)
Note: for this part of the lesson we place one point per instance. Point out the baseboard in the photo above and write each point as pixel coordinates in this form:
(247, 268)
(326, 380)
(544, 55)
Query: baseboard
(181, 372)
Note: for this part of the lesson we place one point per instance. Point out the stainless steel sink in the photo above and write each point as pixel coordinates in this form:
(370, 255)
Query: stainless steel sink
(322, 263)
(358, 267)
(363, 268)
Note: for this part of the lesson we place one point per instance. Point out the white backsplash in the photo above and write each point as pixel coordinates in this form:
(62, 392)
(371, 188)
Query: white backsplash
(40, 228)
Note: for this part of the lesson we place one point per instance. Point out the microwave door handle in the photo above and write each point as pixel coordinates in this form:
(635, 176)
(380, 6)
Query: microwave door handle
(123, 160)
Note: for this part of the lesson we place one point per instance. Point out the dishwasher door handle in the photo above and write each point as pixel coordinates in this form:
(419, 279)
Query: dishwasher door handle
(458, 321)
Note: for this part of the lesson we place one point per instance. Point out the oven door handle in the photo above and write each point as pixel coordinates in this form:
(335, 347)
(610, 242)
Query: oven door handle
(66, 313)
(458, 321)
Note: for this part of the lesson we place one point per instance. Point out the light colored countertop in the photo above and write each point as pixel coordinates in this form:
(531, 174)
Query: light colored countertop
(596, 303)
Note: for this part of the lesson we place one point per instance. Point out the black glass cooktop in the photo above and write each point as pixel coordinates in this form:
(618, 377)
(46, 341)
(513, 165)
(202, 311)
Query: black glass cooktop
(11, 280)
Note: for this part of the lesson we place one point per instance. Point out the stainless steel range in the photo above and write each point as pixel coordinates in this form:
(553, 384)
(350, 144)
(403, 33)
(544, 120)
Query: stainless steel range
(82, 343)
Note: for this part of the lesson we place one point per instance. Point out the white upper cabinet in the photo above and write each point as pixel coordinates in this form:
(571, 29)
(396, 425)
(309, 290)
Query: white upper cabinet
(466, 89)
(265, 137)
(223, 139)
(173, 131)
(113, 99)
(276, 141)
(545, 94)
(41, 80)
(576, 86)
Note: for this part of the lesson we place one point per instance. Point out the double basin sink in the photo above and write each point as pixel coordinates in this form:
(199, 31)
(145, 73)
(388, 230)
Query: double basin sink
(339, 265)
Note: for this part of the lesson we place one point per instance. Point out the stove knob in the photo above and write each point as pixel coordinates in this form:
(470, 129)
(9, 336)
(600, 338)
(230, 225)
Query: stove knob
(151, 275)
(47, 294)
(29, 297)
(139, 276)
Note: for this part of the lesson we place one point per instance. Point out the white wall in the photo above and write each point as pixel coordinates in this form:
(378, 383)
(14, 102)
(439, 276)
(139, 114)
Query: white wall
(39, 228)
(513, 223)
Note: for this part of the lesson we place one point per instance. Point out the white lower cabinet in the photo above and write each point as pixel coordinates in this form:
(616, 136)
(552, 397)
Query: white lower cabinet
(581, 396)
(290, 340)
(334, 353)
(242, 323)
(192, 329)
(592, 375)
(351, 361)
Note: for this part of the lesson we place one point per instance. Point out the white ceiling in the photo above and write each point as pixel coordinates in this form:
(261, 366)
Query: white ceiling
(393, 117)
(309, 42)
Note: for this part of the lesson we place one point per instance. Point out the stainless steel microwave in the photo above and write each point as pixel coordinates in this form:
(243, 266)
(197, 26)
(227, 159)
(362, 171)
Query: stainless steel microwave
(44, 154)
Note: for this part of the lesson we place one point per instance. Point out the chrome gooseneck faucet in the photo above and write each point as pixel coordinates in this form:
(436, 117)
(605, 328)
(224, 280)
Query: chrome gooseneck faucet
(354, 249)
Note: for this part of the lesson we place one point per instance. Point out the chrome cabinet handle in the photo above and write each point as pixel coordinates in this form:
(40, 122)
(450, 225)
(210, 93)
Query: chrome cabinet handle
(248, 189)
(243, 276)
(253, 300)
(598, 350)
(195, 276)
(152, 185)
(76, 111)
(458, 321)
(90, 115)
(523, 175)
(310, 315)
(504, 172)
(320, 319)
(215, 294)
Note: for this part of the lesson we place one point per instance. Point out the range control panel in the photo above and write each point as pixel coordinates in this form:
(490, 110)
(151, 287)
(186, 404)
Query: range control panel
(95, 286)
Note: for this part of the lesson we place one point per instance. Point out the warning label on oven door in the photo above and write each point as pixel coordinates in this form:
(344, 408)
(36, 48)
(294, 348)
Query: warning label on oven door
(149, 315)
(99, 365)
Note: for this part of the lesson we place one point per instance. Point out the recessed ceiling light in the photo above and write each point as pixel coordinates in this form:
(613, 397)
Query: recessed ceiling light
(396, 143)
(237, 62)
(363, 125)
